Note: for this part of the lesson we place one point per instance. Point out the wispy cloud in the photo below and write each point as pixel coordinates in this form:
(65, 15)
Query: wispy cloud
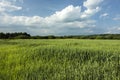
(6, 6)
(115, 30)
(104, 15)
(117, 18)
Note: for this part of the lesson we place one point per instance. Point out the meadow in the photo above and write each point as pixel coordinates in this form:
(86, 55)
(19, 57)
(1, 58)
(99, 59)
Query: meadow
(59, 59)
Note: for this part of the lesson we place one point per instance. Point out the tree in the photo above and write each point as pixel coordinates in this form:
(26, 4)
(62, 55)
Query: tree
(2, 35)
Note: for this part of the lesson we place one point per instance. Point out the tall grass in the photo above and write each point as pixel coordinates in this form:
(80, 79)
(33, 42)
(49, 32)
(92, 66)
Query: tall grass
(68, 59)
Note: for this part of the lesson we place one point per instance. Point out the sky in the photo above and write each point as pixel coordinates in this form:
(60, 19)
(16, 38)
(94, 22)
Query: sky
(60, 17)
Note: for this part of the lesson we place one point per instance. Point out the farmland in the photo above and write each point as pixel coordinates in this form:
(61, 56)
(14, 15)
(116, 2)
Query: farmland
(59, 59)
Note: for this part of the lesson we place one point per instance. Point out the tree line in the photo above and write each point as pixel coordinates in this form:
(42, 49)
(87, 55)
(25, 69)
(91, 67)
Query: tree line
(16, 35)
(24, 35)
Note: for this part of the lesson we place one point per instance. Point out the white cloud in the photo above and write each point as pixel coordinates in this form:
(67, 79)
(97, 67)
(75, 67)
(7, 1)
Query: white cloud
(21, 20)
(92, 8)
(104, 15)
(70, 13)
(6, 6)
(115, 30)
(91, 4)
(69, 17)
(117, 18)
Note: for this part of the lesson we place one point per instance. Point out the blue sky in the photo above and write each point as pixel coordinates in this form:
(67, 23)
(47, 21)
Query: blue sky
(63, 17)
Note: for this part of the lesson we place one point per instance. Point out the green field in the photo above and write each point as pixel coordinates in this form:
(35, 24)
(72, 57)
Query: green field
(68, 59)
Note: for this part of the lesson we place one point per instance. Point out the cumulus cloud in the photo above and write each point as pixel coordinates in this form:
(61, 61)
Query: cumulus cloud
(91, 4)
(70, 17)
(70, 13)
(92, 8)
(21, 20)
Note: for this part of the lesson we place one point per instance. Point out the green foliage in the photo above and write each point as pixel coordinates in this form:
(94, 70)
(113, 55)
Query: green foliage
(68, 59)
(19, 35)
(24, 35)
